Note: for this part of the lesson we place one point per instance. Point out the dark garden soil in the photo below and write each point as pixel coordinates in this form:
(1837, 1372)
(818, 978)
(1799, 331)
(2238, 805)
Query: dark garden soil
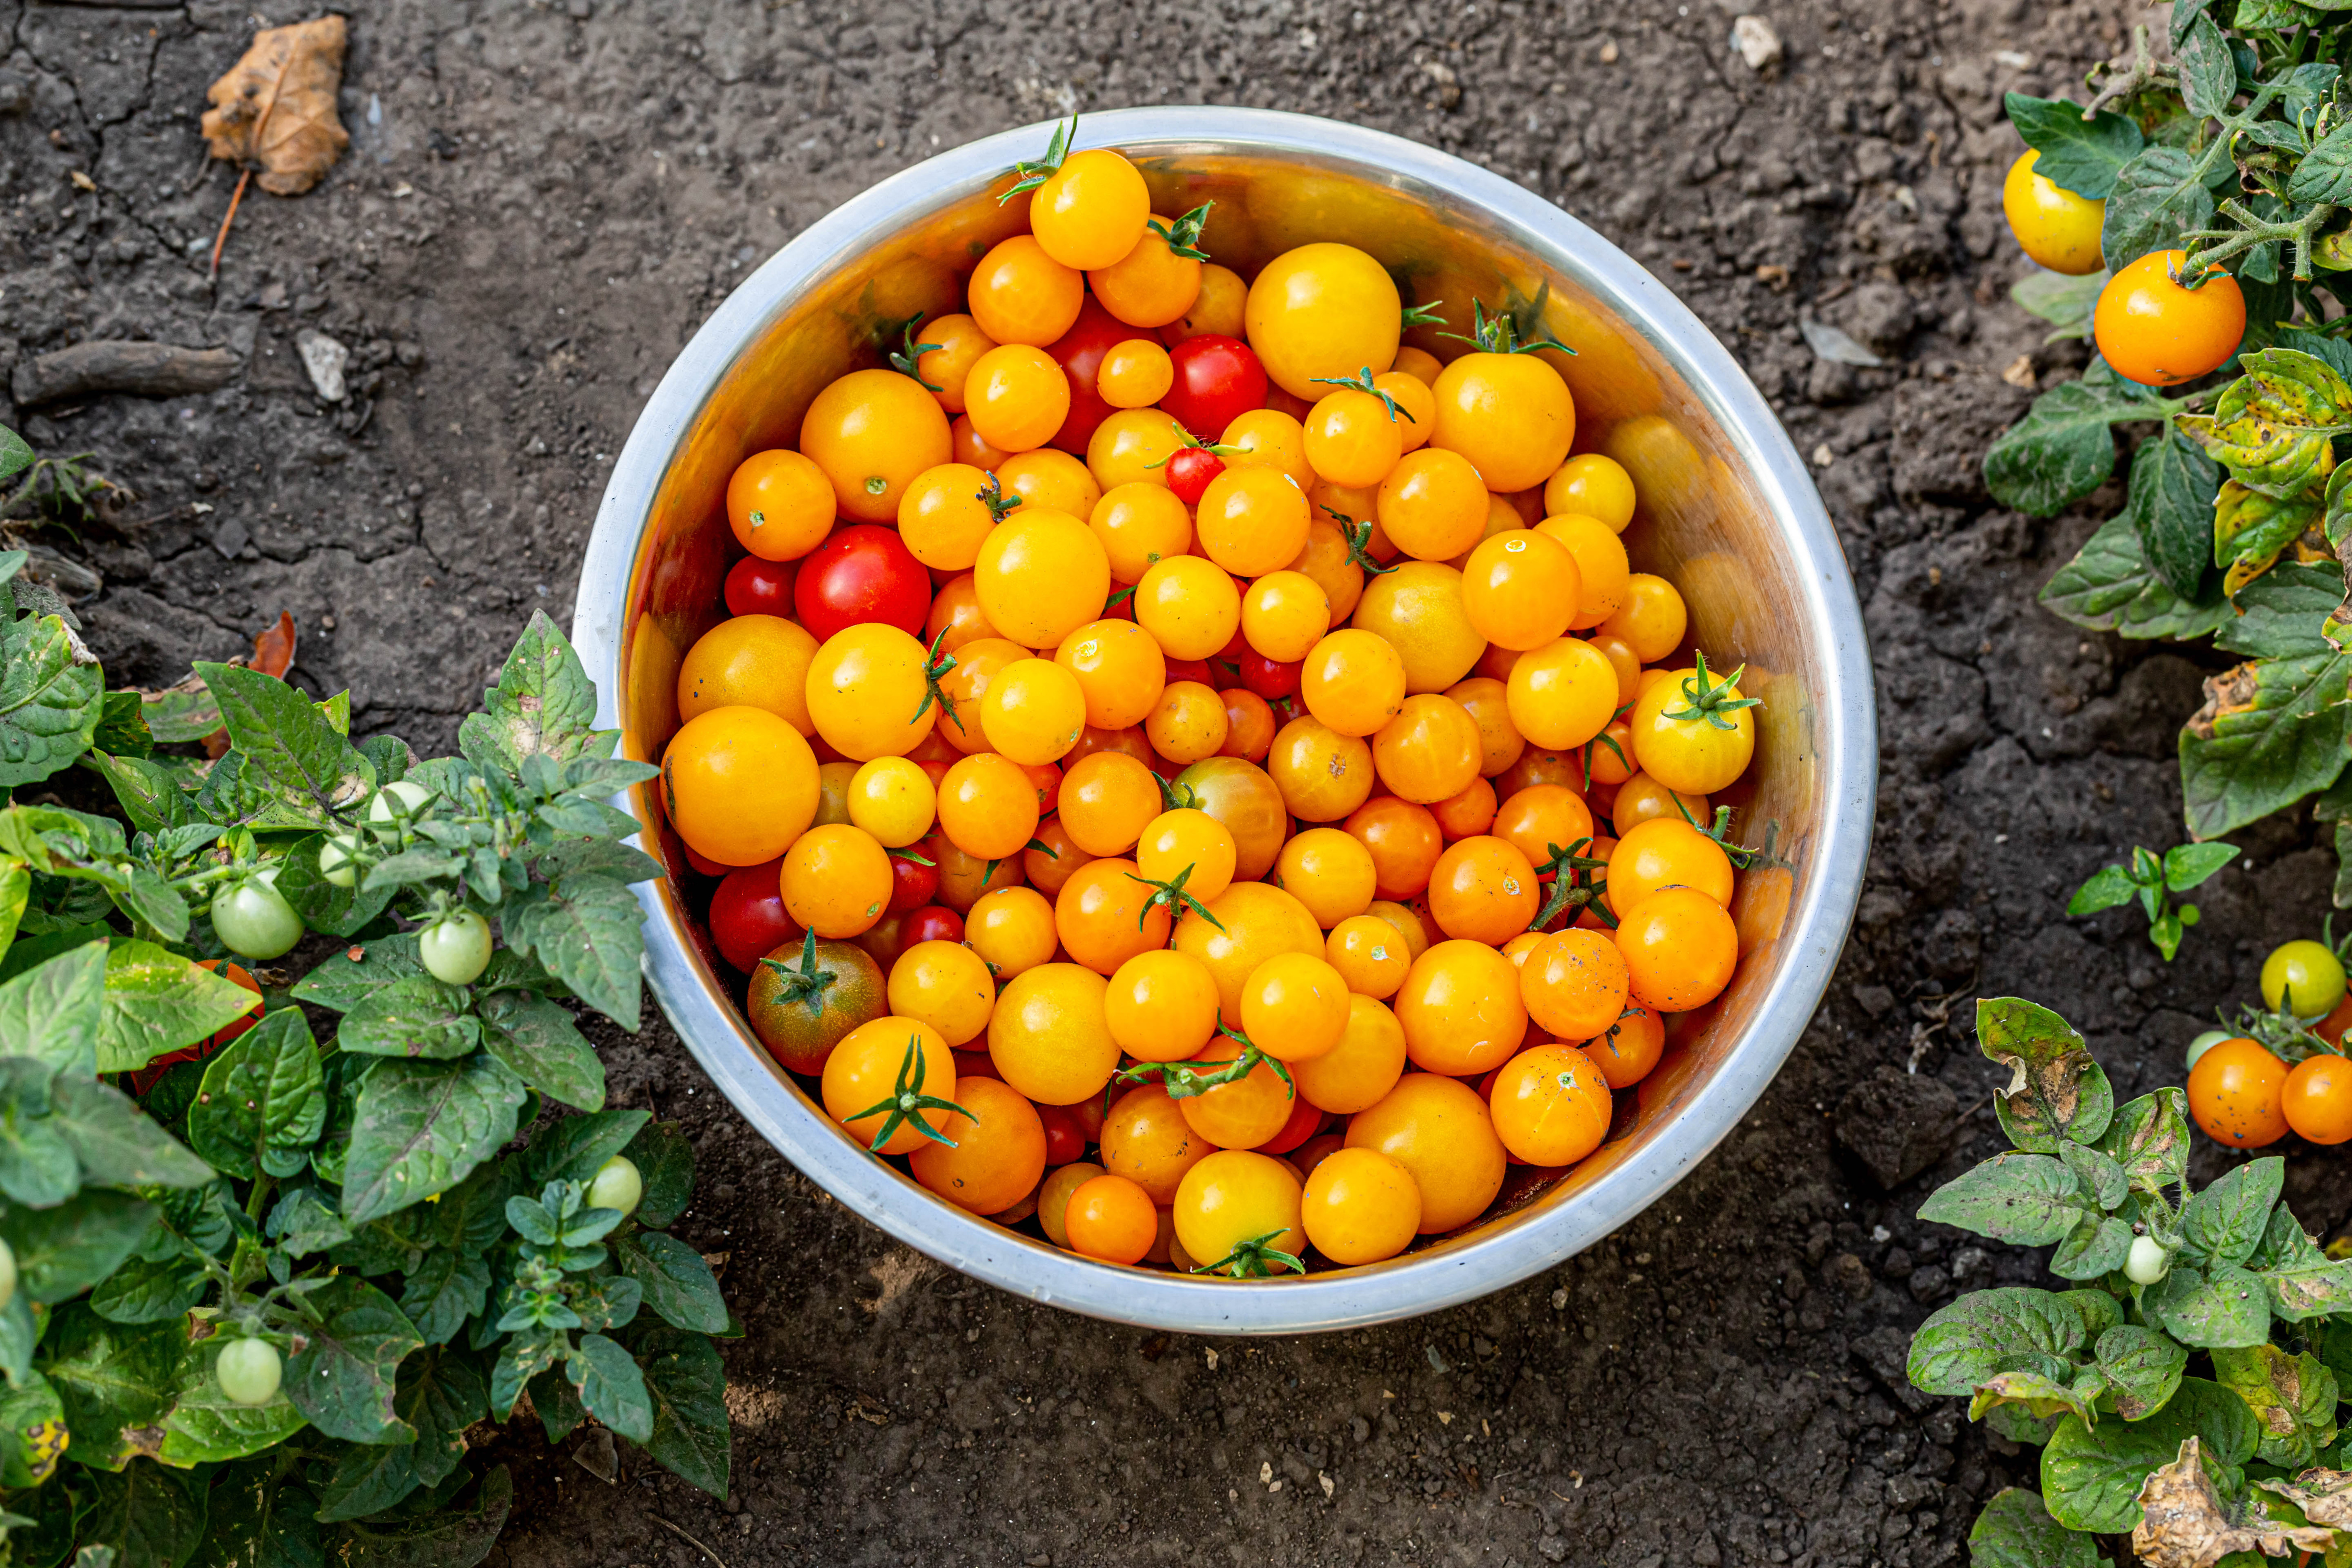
(542, 200)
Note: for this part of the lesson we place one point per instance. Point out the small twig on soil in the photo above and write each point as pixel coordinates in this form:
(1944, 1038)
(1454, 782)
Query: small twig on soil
(688, 1539)
(228, 218)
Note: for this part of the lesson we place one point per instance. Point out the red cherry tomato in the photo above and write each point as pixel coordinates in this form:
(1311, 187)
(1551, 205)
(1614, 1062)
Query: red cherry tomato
(747, 916)
(1270, 680)
(932, 922)
(1080, 352)
(864, 573)
(1190, 471)
(1065, 1137)
(912, 883)
(1195, 670)
(1217, 379)
(757, 588)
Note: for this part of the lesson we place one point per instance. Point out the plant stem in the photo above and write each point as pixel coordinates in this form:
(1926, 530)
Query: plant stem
(2255, 231)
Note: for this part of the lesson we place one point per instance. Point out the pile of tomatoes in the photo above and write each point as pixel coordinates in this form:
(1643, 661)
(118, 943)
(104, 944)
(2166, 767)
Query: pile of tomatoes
(2287, 1071)
(1153, 760)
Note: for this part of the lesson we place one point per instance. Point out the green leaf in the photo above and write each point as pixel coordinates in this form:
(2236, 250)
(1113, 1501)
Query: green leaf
(419, 1017)
(538, 1040)
(2016, 1531)
(343, 1378)
(2109, 586)
(2035, 1394)
(324, 907)
(15, 457)
(259, 1520)
(421, 1127)
(63, 1251)
(123, 725)
(2064, 448)
(2091, 1478)
(440, 1396)
(2271, 426)
(148, 792)
(2221, 1307)
(2029, 1199)
(2325, 174)
(543, 705)
(2187, 866)
(573, 1148)
(2108, 886)
(342, 983)
(206, 1425)
(53, 1012)
(689, 1386)
(664, 1159)
(612, 1388)
(2055, 1090)
(678, 1285)
(1962, 1345)
(2157, 197)
(2303, 1281)
(2170, 505)
(2280, 616)
(309, 774)
(33, 1432)
(51, 695)
(560, 1410)
(588, 931)
(145, 1291)
(153, 1517)
(115, 1141)
(2293, 1398)
(443, 1291)
(157, 1002)
(2142, 1367)
(2074, 154)
(304, 1221)
(2064, 302)
(2269, 733)
(2100, 1174)
(117, 1382)
(2227, 1221)
(263, 1091)
(15, 890)
(441, 1538)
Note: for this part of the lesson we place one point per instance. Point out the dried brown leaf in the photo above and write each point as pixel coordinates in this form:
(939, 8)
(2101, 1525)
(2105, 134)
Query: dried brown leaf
(2324, 1495)
(275, 112)
(2184, 1525)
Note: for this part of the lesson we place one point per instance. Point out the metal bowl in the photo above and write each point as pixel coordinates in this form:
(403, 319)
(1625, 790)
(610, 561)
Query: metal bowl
(1727, 511)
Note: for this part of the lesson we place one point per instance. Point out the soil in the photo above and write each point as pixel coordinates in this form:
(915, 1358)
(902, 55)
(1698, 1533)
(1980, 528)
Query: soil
(540, 204)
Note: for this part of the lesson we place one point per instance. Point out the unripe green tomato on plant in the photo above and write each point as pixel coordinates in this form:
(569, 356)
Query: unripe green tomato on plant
(335, 859)
(253, 920)
(410, 797)
(2206, 1042)
(2147, 1262)
(617, 1185)
(455, 948)
(2302, 978)
(7, 1274)
(250, 1371)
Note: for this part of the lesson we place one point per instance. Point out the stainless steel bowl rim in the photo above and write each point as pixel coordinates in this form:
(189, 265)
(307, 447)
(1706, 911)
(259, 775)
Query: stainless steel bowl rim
(1414, 1284)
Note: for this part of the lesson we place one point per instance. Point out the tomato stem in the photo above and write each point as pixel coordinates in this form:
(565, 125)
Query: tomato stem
(1182, 1080)
(1249, 1259)
(1421, 316)
(1499, 334)
(910, 352)
(1711, 702)
(806, 984)
(936, 666)
(1033, 175)
(1573, 885)
(1362, 382)
(1171, 895)
(906, 1104)
(994, 498)
(1359, 542)
(1183, 236)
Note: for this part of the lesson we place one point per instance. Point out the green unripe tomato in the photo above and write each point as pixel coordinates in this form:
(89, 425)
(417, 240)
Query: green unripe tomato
(2206, 1042)
(455, 948)
(7, 1274)
(2302, 978)
(410, 796)
(617, 1185)
(335, 859)
(250, 1371)
(2147, 1261)
(253, 920)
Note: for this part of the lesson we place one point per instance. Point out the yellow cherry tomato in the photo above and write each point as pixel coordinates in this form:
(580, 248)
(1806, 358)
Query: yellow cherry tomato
(1041, 575)
(1353, 437)
(1120, 668)
(893, 799)
(1353, 681)
(1217, 310)
(1441, 1132)
(987, 806)
(1034, 712)
(1189, 844)
(873, 432)
(1140, 523)
(1329, 871)
(1131, 447)
(1430, 751)
(1360, 1206)
(1416, 405)
(1323, 774)
(1601, 566)
(1488, 701)
(945, 984)
(1251, 923)
(1136, 373)
(739, 785)
(835, 881)
(864, 1073)
(1018, 397)
(1158, 280)
(1433, 505)
(757, 661)
(1461, 1009)
(1187, 723)
(1651, 620)
(1551, 1106)
(780, 504)
(1563, 694)
(1520, 588)
(1050, 480)
(956, 343)
(992, 1154)
(2056, 227)
(1509, 413)
(1591, 485)
(1418, 608)
(1327, 559)
(1362, 1068)
(870, 693)
(1048, 1035)
(1189, 605)
(1161, 1006)
(946, 513)
(1011, 929)
(1107, 799)
(1372, 956)
(1295, 1006)
(1323, 310)
(1252, 521)
(1090, 212)
(1690, 733)
(1020, 294)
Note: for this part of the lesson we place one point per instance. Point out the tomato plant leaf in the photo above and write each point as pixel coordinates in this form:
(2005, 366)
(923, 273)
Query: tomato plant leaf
(16, 892)
(63, 1251)
(560, 1410)
(117, 1144)
(2272, 426)
(149, 792)
(665, 1158)
(444, 1537)
(323, 906)
(2269, 733)
(2109, 586)
(33, 1433)
(443, 1291)
(2217, 1307)
(539, 1041)
(115, 1381)
(572, 1149)
(421, 1127)
(589, 932)
(2293, 1398)
(2073, 153)
(2303, 1281)
(263, 1091)
(37, 1167)
(688, 1383)
(308, 772)
(256, 1518)
(2325, 174)
(414, 1017)
(2142, 1367)
(2064, 302)
(2056, 1090)
(2108, 888)
(2157, 197)
(2280, 612)
(677, 1283)
(51, 696)
(2064, 448)
(2016, 1531)
(53, 1012)
(2097, 1172)
(440, 1394)
(2091, 1476)
(2096, 1247)
(342, 1379)
(2208, 72)
(152, 1516)
(2227, 1221)
(157, 1002)
(15, 455)
(2170, 504)
(2036, 1393)
(206, 1425)
(543, 705)
(343, 981)
(611, 1387)
(144, 1292)
(2030, 1199)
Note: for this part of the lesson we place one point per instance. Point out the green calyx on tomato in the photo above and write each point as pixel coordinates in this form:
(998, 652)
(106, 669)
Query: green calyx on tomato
(998, 503)
(936, 666)
(1183, 236)
(1421, 316)
(1187, 441)
(1183, 1080)
(1500, 333)
(1362, 382)
(906, 1104)
(1034, 175)
(1170, 896)
(1711, 701)
(1249, 1259)
(909, 353)
(1573, 884)
(805, 985)
(1360, 544)
(1743, 856)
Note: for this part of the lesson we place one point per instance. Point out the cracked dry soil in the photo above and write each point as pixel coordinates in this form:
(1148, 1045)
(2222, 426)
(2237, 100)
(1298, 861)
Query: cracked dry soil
(542, 200)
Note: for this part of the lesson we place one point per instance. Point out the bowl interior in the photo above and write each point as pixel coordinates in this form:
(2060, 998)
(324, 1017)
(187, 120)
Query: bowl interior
(1726, 514)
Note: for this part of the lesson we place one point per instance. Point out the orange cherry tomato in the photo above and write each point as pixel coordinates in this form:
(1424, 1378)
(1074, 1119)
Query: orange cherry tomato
(1189, 605)
(761, 661)
(739, 785)
(1249, 725)
(1362, 1068)
(1680, 949)
(1106, 914)
(994, 1152)
(1520, 588)
(1551, 1106)
(1483, 890)
(780, 504)
(1012, 928)
(1653, 618)
(873, 432)
(2155, 331)
(860, 1087)
(1295, 1006)
(1146, 1140)
(987, 806)
(1430, 751)
(1433, 504)
(1629, 1047)
(1466, 813)
(1020, 294)
(1372, 956)
(1602, 571)
(956, 343)
(1323, 775)
(2318, 1099)
(1591, 485)
(1091, 210)
(1360, 1207)
(1574, 983)
(1047, 1035)
(1667, 852)
(1187, 723)
(1460, 1008)
(1329, 871)
(1140, 524)
(2236, 1094)
(1444, 1133)
(1252, 521)
(1353, 681)
(1110, 1218)
(1161, 1005)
